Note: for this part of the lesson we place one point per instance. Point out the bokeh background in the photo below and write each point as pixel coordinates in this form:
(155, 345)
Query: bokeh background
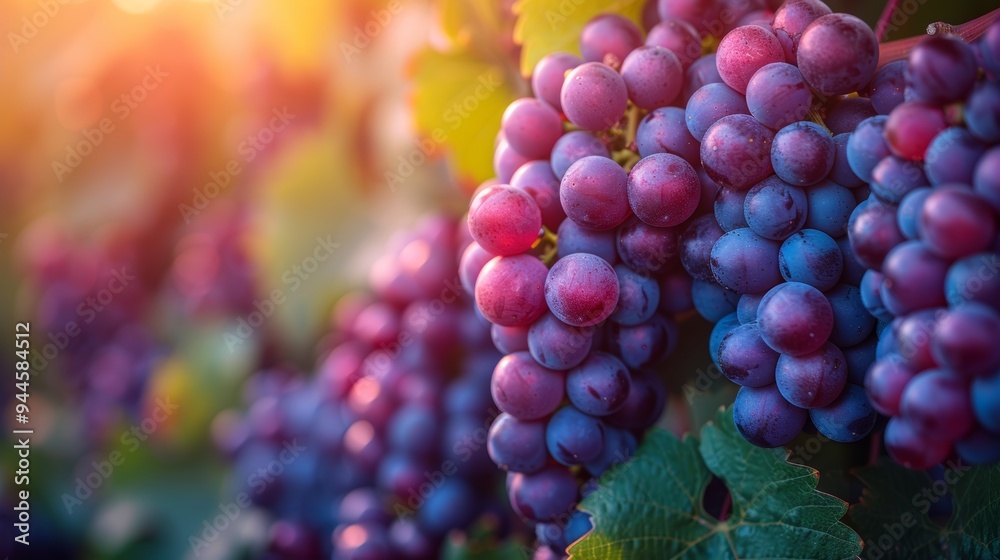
(165, 165)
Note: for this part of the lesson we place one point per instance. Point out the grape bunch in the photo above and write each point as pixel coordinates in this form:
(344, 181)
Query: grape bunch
(928, 235)
(382, 452)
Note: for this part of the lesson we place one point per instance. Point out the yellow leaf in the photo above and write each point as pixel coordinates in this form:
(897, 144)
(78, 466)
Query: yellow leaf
(547, 26)
(458, 101)
(462, 20)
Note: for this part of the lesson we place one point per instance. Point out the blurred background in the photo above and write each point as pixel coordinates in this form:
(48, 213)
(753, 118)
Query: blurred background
(166, 166)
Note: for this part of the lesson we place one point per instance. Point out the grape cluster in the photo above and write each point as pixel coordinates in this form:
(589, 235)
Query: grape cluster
(382, 452)
(928, 235)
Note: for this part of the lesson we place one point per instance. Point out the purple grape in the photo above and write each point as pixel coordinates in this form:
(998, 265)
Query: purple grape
(581, 289)
(609, 34)
(598, 386)
(643, 345)
(550, 72)
(675, 293)
(556, 345)
(510, 290)
(987, 178)
(774, 209)
(837, 54)
(841, 172)
(664, 131)
(709, 104)
(941, 70)
(886, 89)
(974, 279)
(894, 177)
(594, 194)
(696, 247)
(652, 76)
(648, 249)
(852, 323)
(507, 160)
(885, 382)
(524, 389)
(638, 297)
(509, 339)
(795, 318)
(573, 437)
(791, 19)
(743, 51)
(736, 151)
(859, 358)
(956, 223)
(746, 307)
(531, 127)
(712, 301)
(536, 179)
(594, 96)
(765, 419)
(911, 449)
(965, 340)
(802, 153)
(745, 359)
(473, 260)
(913, 335)
(936, 405)
(543, 495)
(811, 257)
(701, 73)
(644, 404)
(663, 190)
(517, 445)
(812, 380)
(853, 270)
(979, 447)
(778, 96)
(911, 127)
(574, 146)
(914, 278)
(952, 156)
(678, 36)
(845, 113)
(986, 401)
(504, 220)
(982, 112)
(873, 232)
(574, 238)
(848, 418)
(619, 446)
(745, 262)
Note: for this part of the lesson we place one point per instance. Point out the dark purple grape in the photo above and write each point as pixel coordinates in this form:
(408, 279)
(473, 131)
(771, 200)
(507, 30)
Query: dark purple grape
(802, 153)
(775, 209)
(599, 385)
(795, 318)
(736, 151)
(765, 419)
(908, 213)
(914, 278)
(619, 446)
(556, 345)
(885, 382)
(581, 289)
(979, 447)
(643, 345)
(911, 449)
(936, 405)
(644, 404)
(952, 156)
(638, 297)
(848, 418)
(913, 335)
(712, 301)
(524, 389)
(696, 247)
(845, 113)
(675, 293)
(665, 131)
(663, 190)
(812, 380)
(517, 445)
(729, 209)
(956, 223)
(986, 401)
(941, 69)
(893, 178)
(873, 232)
(965, 340)
(851, 321)
(745, 359)
(886, 89)
(648, 249)
(573, 437)
(837, 54)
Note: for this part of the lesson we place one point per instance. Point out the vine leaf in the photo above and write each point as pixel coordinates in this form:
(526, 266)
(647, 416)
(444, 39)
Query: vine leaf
(652, 508)
(547, 26)
(895, 512)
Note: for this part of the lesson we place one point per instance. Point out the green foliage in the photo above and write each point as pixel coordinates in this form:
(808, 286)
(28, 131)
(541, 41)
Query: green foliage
(895, 515)
(652, 507)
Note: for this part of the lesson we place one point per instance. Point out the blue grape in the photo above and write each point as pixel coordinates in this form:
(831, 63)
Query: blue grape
(765, 419)
(982, 112)
(829, 208)
(573, 437)
(746, 307)
(841, 172)
(775, 209)
(886, 89)
(974, 279)
(709, 104)
(802, 153)
(853, 270)
(638, 297)
(893, 178)
(644, 404)
(619, 446)
(848, 418)
(795, 318)
(729, 209)
(851, 321)
(745, 359)
(664, 131)
(574, 238)
(643, 345)
(778, 96)
(599, 385)
(867, 146)
(811, 257)
(570, 148)
(719, 332)
(845, 113)
(859, 357)
(952, 156)
(542, 495)
(908, 213)
(986, 401)
(745, 262)
(556, 345)
(517, 445)
(712, 301)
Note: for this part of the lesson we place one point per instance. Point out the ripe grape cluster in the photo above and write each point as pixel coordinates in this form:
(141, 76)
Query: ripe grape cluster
(928, 235)
(382, 452)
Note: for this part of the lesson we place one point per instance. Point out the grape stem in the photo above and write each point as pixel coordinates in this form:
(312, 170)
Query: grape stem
(551, 242)
(968, 32)
(883, 20)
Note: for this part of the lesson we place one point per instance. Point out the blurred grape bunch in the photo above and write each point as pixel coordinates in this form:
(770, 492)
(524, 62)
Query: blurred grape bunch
(380, 453)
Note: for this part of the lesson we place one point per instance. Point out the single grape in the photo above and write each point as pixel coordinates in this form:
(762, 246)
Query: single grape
(848, 418)
(746, 307)
(643, 345)
(812, 380)
(531, 127)
(852, 323)
(974, 279)
(524, 389)
(952, 156)
(593, 193)
(473, 260)
(504, 220)
(619, 446)
(845, 113)
(745, 359)
(873, 232)
(911, 127)
(517, 445)
(507, 160)
(743, 51)
(774, 209)
(653, 77)
(648, 249)
(837, 54)
(885, 382)
(696, 247)
(795, 318)
(941, 70)
(982, 112)
(894, 177)
(509, 339)
(811, 257)
(777, 95)
(680, 37)
(609, 34)
(510, 290)
(581, 289)
(598, 386)
(549, 75)
(542, 495)
(663, 190)
(536, 179)
(574, 238)
(712, 301)
(594, 96)
(886, 89)
(745, 262)
(664, 131)
(573, 437)
(729, 209)
(802, 153)
(936, 405)
(638, 297)
(736, 151)
(841, 172)
(914, 278)
(709, 104)
(574, 146)
(829, 208)
(791, 19)
(765, 419)
(956, 223)
(702, 71)
(867, 146)
(965, 340)
(556, 345)
(911, 449)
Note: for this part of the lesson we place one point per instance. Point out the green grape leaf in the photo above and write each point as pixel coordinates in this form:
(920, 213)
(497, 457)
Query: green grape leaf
(547, 26)
(465, 550)
(458, 100)
(894, 515)
(652, 507)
